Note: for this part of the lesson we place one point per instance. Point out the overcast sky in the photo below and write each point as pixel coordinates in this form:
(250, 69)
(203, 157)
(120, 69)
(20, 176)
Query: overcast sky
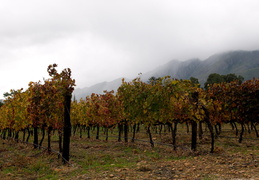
(101, 40)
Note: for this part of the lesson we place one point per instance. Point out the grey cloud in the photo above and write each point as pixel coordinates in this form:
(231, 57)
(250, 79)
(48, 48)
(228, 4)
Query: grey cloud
(108, 39)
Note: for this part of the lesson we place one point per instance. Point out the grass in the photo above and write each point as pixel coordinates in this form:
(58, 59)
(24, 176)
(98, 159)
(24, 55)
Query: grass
(91, 158)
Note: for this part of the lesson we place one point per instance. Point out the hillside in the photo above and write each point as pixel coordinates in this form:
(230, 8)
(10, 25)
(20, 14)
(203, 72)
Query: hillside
(98, 88)
(244, 63)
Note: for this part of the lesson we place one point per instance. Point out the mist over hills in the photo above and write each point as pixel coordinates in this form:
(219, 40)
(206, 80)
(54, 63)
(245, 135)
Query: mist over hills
(98, 88)
(244, 63)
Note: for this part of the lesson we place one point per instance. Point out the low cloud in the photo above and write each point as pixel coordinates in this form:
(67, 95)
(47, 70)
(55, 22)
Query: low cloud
(104, 40)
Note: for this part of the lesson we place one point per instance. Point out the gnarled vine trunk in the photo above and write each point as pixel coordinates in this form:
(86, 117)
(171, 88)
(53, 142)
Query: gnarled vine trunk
(67, 128)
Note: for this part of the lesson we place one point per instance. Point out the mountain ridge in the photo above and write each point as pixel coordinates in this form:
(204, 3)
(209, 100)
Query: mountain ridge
(98, 88)
(244, 63)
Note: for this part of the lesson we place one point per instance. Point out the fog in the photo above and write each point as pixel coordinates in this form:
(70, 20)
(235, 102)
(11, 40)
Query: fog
(103, 40)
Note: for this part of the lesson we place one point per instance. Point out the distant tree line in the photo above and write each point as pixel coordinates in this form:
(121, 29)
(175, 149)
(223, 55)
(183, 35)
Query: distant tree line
(217, 78)
(212, 78)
